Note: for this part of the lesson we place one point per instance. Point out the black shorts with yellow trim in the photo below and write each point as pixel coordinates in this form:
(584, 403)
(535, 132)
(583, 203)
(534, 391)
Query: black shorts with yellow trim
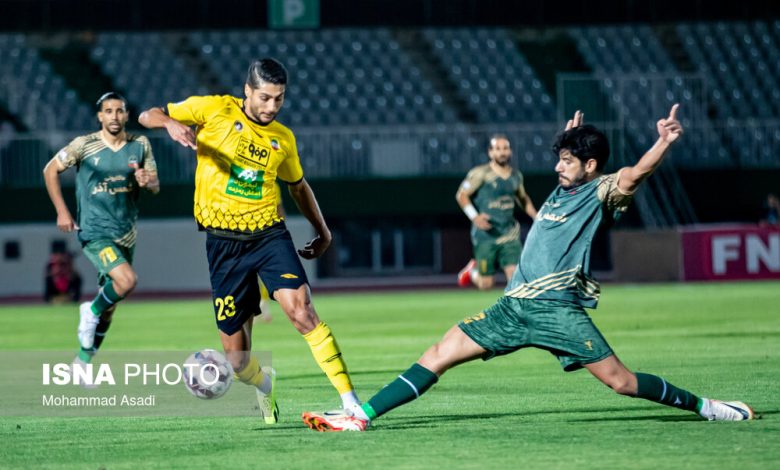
(236, 261)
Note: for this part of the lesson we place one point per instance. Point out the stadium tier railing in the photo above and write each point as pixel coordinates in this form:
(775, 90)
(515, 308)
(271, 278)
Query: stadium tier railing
(435, 150)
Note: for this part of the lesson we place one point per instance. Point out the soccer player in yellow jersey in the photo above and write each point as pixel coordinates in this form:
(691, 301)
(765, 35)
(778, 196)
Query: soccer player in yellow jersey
(242, 151)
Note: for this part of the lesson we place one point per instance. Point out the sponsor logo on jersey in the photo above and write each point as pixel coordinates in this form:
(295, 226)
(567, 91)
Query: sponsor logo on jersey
(247, 175)
(252, 153)
(289, 276)
(274, 144)
(546, 215)
(245, 183)
(238, 126)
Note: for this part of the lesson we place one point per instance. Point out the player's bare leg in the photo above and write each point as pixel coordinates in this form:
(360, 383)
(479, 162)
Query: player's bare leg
(619, 378)
(483, 281)
(124, 279)
(297, 305)
(453, 349)
(509, 271)
(612, 373)
(238, 347)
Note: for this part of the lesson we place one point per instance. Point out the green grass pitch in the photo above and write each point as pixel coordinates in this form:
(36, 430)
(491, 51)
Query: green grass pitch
(716, 340)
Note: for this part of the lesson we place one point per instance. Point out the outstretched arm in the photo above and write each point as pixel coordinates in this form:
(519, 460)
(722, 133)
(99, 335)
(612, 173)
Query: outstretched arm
(155, 118)
(669, 130)
(304, 198)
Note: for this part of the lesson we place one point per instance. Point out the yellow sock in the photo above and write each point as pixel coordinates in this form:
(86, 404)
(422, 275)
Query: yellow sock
(328, 355)
(251, 373)
(264, 294)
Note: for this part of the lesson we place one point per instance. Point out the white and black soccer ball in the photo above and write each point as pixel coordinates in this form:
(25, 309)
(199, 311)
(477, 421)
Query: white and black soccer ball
(207, 374)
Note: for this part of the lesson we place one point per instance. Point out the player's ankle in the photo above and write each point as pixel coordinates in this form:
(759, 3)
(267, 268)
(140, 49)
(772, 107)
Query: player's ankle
(349, 399)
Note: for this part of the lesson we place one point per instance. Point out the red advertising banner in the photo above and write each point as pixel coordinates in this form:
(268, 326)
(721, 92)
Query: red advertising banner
(730, 252)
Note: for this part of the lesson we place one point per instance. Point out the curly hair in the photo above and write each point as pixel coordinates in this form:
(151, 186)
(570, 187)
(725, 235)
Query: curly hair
(584, 142)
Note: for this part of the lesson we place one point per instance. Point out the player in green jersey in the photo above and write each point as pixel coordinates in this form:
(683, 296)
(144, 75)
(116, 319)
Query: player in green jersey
(544, 304)
(488, 196)
(111, 166)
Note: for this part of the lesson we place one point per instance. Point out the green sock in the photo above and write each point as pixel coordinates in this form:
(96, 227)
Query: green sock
(407, 387)
(105, 298)
(660, 391)
(100, 333)
(86, 354)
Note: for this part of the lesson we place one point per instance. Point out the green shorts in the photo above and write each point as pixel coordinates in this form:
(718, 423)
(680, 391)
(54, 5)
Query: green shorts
(489, 254)
(105, 255)
(562, 328)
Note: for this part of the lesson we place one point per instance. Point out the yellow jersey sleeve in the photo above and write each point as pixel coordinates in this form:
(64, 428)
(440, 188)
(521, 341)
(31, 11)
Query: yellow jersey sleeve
(291, 171)
(196, 110)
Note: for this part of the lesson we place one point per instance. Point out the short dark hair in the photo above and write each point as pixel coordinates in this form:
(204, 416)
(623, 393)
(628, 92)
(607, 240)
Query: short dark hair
(496, 137)
(111, 95)
(266, 70)
(584, 142)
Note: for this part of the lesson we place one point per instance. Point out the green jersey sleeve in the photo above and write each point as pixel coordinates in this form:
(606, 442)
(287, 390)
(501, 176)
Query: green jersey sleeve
(608, 192)
(73, 153)
(149, 163)
(474, 179)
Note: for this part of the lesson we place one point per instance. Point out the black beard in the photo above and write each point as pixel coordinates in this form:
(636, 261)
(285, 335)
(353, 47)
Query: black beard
(506, 163)
(112, 132)
(574, 184)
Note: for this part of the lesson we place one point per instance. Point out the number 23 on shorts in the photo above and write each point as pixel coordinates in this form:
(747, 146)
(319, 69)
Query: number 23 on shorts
(225, 307)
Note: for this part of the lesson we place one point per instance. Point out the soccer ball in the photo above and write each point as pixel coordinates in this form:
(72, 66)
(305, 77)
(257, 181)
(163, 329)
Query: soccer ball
(207, 374)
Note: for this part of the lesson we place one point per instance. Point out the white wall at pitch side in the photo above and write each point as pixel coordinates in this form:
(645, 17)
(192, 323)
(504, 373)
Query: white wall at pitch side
(170, 256)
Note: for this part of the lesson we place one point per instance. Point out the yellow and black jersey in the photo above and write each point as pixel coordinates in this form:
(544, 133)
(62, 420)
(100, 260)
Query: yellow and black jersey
(239, 161)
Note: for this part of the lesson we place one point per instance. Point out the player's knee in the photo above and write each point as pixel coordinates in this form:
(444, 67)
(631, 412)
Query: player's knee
(302, 317)
(485, 282)
(439, 357)
(125, 283)
(433, 359)
(622, 386)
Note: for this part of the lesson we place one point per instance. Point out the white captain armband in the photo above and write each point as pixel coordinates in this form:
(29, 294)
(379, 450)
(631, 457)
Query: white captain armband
(470, 211)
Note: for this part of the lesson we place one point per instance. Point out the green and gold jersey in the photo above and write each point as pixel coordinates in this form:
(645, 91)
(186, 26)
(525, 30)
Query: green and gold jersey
(106, 189)
(239, 161)
(555, 263)
(497, 197)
